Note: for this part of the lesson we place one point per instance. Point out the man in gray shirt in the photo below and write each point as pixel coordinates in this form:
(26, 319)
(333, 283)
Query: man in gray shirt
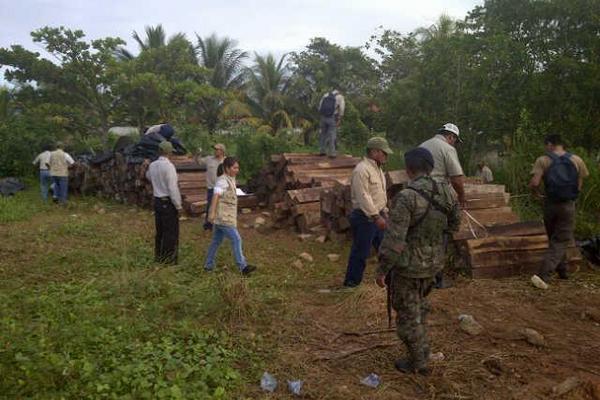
(446, 164)
(212, 164)
(446, 168)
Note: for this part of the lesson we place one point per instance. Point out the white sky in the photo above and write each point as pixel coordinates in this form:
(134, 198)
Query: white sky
(261, 25)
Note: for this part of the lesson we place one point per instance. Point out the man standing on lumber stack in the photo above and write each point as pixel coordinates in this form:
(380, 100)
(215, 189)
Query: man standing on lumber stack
(167, 205)
(562, 174)
(212, 164)
(369, 208)
(331, 109)
(446, 169)
(59, 164)
(413, 252)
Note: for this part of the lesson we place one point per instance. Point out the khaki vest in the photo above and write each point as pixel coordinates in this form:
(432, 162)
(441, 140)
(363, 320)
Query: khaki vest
(58, 163)
(227, 206)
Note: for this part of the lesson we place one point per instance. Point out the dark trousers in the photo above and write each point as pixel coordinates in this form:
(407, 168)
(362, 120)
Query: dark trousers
(559, 220)
(209, 197)
(167, 231)
(364, 235)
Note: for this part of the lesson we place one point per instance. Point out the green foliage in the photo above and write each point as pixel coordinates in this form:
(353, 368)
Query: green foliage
(525, 146)
(353, 132)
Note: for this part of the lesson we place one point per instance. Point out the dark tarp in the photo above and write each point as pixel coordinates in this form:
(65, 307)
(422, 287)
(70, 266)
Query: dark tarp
(10, 186)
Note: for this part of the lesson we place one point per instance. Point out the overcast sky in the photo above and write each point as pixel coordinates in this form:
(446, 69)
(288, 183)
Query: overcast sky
(261, 25)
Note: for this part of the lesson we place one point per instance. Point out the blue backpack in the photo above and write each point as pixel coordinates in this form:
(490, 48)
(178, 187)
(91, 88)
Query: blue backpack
(561, 180)
(327, 108)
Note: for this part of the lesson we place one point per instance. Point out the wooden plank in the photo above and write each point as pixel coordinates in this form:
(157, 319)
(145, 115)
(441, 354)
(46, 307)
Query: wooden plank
(397, 177)
(515, 270)
(308, 195)
(494, 202)
(503, 258)
(490, 216)
(470, 188)
(307, 208)
(191, 176)
(506, 243)
(527, 228)
(192, 185)
(248, 201)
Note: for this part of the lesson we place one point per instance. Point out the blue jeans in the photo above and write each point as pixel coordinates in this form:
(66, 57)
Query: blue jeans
(209, 197)
(61, 187)
(221, 232)
(45, 180)
(364, 235)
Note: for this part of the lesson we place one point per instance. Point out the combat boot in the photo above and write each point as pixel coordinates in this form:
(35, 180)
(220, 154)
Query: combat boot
(407, 367)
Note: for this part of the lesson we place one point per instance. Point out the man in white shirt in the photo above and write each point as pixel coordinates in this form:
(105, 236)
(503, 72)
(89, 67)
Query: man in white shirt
(167, 205)
(59, 164)
(43, 159)
(212, 164)
(331, 109)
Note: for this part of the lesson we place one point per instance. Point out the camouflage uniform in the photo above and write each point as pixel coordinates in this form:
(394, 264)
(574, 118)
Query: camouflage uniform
(420, 227)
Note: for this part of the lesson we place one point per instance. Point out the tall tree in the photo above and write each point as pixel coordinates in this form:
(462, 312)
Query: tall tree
(268, 83)
(224, 59)
(80, 78)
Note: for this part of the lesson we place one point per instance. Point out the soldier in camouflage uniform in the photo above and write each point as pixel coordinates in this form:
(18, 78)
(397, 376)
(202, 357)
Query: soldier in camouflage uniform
(412, 252)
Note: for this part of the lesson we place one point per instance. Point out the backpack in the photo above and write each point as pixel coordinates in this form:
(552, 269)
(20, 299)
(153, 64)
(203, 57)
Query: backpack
(327, 108)
(561, 180)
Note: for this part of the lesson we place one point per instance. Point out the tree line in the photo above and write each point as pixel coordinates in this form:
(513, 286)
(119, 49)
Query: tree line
(504, 61)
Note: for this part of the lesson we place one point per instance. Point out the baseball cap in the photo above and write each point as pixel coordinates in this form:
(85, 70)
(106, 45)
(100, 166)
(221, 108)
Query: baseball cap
(450, 127)
(219, 146)
(379, 143)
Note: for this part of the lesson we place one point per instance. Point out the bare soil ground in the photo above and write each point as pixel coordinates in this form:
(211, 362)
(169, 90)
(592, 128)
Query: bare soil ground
(334, 339)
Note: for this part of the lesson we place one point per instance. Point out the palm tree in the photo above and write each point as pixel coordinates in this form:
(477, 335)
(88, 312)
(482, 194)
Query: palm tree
(155, 38)
(444, 28)
(267, 98)
(221, 56)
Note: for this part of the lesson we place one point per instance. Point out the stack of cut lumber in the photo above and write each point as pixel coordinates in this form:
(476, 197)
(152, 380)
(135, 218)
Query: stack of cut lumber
(512, 249)
(336, 201)
(494, 242)
(291, 171)
(487, 205)
(291, 185)
(124, 181)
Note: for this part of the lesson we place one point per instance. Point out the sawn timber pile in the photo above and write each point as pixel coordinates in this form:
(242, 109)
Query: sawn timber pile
(294, 186)
(494, 243)
(119, 179)
(291, 183)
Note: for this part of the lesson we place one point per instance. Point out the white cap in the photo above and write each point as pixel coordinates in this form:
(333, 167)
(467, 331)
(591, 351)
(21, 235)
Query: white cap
(450, 127)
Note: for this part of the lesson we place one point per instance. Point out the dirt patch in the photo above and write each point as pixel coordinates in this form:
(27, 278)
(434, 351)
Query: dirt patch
(338, 338)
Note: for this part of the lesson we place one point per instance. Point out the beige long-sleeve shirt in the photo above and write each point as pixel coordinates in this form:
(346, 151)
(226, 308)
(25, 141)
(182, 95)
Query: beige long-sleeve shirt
(368, 187)
(163, 175)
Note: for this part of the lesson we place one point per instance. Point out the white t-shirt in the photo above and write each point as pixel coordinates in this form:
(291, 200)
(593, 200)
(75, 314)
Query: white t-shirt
(221, 185)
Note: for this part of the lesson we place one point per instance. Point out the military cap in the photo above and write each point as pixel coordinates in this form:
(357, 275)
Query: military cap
(379, 143)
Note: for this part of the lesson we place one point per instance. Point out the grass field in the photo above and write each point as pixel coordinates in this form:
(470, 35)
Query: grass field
(85, 313)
